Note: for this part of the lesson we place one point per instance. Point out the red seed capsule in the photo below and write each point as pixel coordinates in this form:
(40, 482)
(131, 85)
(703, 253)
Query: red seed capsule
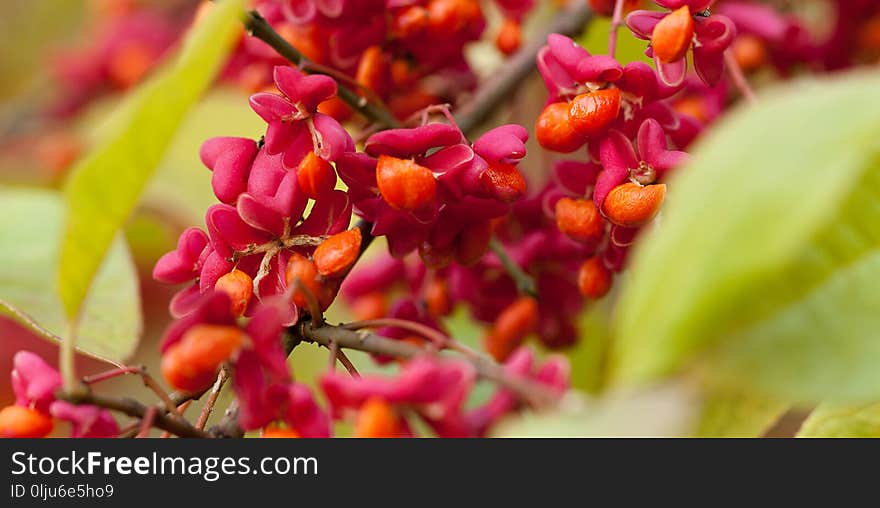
(673, 35)
(239, 286)
(594, 280)
(554, 130)
(336, 254)
(590, 114)
(473, 243)
(404, 184)
(437, 298)
(376, 418)
(632, 205)
(24, 422)
(370, 306)
(277, 432)
(509, 37)
(302, 269)
(511, 327)
(191, 364)
(503, 182)
(579, 219)
(372, 71)
(315, 176)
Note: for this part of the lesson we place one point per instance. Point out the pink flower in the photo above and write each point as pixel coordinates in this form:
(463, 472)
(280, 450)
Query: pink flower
(34, 381)
(85, 420)
(295, 127)
(620, 159)
(713, 34)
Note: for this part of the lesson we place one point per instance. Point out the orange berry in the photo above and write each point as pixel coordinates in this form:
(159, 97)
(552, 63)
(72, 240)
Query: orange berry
(632, 205)
(446, 17)
(691, 106)
(409, 22)
(129, 64)
(305, 38)
(554, 130)
(594, 280)
(673, 35)
(21, 422)
(315, 176)
(406, 103)
(404, 184)
(503, 181)
(304, 270)
(579, 219)
(437, 298)
(403, 75)
(191, 364)
(590, 114)
(372, 69)
(336, 254)
(239, 286)
(276, 432)
(376, 418)
(370, 306)
(749, 52)
(509, 36)
(869, 37)
(511, 327)
(337, 108)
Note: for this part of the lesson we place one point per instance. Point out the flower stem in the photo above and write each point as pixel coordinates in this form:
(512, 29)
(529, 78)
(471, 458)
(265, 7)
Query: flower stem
(524, 282)
(616, 21)
(739, 78)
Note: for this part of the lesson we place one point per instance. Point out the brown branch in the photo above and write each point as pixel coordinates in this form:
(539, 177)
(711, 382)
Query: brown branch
(535, 394)
(133, 408)
(222, 376)
(570, 22)
(258, 27)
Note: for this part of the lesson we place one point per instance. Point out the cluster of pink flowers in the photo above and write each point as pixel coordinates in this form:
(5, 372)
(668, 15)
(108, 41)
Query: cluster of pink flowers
(35, 384)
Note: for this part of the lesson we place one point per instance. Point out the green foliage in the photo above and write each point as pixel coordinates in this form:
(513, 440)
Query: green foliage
(842, 421)
(110, 324)
(105, 186)
(765, 263)
(732, 413)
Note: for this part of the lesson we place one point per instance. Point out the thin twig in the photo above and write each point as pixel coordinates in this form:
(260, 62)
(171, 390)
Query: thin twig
(133, 408)
(739, 78)
(535, 394)
(616, 21)
(258, 27)
(147, 422)
(149, 381)
(524, 282)
(222, 376)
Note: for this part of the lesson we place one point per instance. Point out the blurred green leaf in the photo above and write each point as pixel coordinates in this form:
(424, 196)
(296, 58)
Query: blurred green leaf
(105, 186)
(182, 185)
(842, 421)
(110, 325)
(664, 411)
(766, 261)
(732, 413)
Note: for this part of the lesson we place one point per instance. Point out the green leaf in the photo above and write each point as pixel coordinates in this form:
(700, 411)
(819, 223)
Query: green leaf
(105, 186)
(110, 325)
(765, 263)
(734, 413)
(664, 411)
(842, 421)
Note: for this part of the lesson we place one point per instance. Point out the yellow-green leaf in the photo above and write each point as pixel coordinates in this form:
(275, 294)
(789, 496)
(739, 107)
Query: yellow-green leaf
(765, 264)
(735, 413)
(110, 325)
(842, 421)
(105, 186)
